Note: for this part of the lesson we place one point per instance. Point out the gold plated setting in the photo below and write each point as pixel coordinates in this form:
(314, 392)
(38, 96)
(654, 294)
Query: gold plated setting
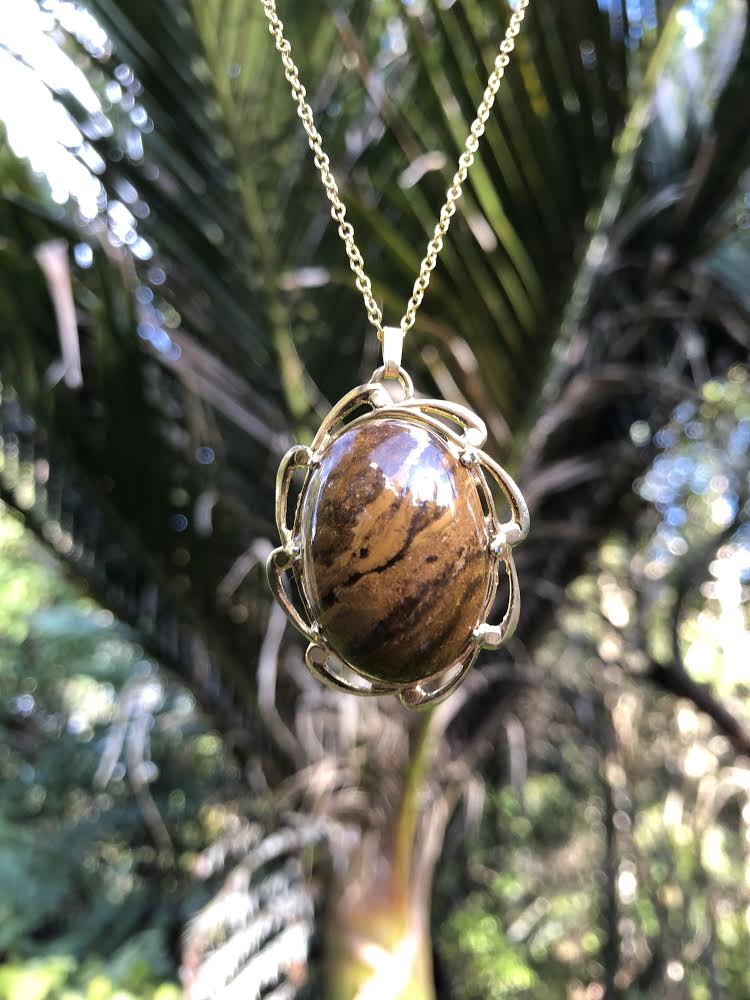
(460, 434)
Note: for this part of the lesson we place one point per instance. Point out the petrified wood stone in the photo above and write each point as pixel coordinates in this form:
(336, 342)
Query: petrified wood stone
(395, 556)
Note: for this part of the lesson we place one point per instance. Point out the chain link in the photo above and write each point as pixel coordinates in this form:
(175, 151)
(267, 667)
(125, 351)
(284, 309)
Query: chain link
(338, 209)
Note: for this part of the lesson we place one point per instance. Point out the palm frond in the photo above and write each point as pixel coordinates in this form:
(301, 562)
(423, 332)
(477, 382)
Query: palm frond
(254, 935)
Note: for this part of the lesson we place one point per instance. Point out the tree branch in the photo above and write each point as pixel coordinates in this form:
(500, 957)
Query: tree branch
(673, 677)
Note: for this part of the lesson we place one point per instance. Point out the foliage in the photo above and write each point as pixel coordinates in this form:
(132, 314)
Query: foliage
(594, 281)
(108, 779)
(619, 853)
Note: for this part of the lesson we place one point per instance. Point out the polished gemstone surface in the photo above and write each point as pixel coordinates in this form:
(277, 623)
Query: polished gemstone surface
(395, 557)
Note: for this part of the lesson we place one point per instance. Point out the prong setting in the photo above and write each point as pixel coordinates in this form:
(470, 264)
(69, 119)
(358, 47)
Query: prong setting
(471, 456)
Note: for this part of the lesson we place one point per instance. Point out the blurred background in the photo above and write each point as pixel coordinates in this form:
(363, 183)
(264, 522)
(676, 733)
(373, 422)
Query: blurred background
(182, 808)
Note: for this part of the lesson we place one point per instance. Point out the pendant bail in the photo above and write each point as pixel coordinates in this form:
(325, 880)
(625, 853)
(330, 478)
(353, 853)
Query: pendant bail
(392, 338)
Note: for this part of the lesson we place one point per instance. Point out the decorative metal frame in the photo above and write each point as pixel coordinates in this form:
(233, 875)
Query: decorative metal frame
(465, 440)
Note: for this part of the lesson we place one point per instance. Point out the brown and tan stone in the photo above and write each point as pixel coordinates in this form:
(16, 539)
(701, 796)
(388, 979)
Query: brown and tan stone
(395, 550)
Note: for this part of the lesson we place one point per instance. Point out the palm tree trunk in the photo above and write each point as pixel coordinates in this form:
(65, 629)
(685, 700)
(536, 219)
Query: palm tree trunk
(378, 943)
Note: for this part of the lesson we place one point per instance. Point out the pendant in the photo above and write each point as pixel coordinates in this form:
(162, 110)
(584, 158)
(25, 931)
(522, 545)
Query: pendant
(395, 547)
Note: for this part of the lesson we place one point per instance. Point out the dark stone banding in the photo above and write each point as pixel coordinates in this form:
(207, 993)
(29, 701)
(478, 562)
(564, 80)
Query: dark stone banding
(419, 522)
(395, 560)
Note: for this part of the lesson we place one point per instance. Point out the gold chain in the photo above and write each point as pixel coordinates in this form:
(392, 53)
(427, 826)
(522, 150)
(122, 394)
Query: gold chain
(323, 164)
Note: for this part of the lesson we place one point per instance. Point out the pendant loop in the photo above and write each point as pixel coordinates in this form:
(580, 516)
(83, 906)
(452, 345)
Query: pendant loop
(392, 339)
(400, 375)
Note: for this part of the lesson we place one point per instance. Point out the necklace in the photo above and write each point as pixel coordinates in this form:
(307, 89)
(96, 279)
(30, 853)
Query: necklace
(396, 545)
